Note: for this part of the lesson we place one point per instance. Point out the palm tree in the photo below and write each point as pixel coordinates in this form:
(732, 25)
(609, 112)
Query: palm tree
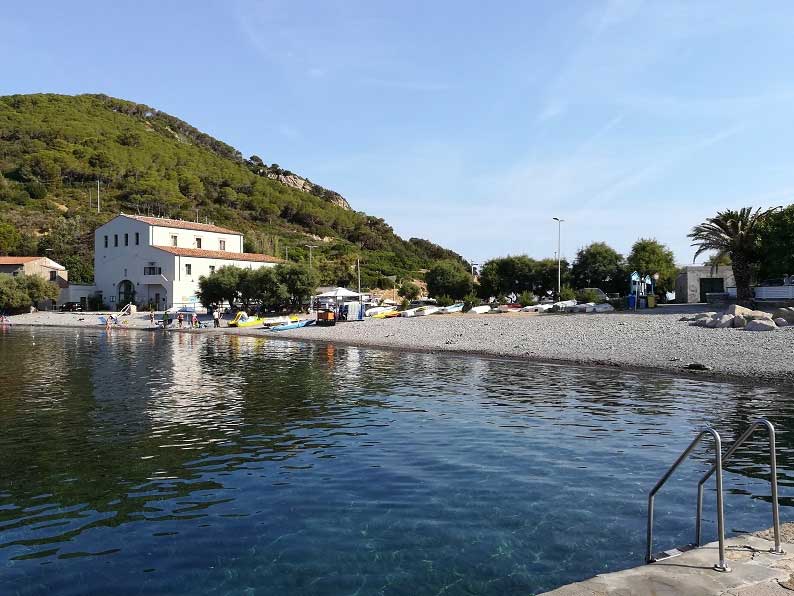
(733, 234)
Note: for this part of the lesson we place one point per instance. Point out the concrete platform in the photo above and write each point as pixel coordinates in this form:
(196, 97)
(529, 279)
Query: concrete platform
(755, 572)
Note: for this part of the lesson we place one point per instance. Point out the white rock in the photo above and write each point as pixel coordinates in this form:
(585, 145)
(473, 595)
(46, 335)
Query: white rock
(755, 315)
(724, 321)
(761, 325)
(604, 307)
(781, 322)
(704, 315)
(737, 309)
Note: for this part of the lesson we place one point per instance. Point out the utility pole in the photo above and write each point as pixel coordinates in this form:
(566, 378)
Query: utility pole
(360, 306)
(310, 247)
(97, 195)
(559, 256)
(286, 253)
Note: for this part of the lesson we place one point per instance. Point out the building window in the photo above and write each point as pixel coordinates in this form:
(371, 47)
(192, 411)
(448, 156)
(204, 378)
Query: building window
(212, 269)
(137, 238)
(173, 239)
(126, 239)
(115, 239)
(106, 241)
(222, 244)
(198, 242)
(188, 268)
(152, 270)
(53, 275)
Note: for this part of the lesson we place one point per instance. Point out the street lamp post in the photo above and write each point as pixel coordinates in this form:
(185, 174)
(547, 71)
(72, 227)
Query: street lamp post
(559, 256)
(310, 247)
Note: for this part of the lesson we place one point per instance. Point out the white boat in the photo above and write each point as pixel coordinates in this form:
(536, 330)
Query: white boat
(445, 310)
(425, 310)
(378, 310)
(480, 310)
(537, 308)
(411, 312)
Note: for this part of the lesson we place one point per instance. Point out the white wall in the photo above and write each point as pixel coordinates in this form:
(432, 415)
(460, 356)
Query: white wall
(186, 285)
(161, 236)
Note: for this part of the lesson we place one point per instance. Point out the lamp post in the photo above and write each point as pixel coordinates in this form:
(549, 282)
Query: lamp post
(559, 256)
(310, 247)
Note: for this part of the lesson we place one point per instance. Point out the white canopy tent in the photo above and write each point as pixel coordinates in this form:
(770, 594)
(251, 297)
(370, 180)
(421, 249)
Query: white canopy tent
(339, 293)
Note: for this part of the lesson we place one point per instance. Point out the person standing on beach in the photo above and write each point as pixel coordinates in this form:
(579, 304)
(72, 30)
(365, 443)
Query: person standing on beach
(165, 319)
(194, 320)
(151, 317)
(179, 319)
(216, 318)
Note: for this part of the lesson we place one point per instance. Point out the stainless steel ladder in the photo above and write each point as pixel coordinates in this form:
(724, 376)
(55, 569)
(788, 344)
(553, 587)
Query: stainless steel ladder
(719, 461)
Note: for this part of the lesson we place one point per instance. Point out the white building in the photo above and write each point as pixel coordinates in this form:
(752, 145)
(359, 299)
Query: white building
(153, 260)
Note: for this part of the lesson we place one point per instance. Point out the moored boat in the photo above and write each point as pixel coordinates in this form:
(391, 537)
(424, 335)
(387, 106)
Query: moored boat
(445, 310)
(425, 310)
(293, 325)
(480, 310)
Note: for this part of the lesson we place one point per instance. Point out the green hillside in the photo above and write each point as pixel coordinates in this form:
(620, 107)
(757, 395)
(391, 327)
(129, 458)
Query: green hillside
(54, 148)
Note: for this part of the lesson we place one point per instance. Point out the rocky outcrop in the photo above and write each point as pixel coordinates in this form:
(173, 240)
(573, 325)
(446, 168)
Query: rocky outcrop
(304, 185)
(786, 313)
(739, 317)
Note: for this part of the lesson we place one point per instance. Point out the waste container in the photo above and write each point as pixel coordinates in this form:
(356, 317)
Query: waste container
(632, 299)
(651, 301)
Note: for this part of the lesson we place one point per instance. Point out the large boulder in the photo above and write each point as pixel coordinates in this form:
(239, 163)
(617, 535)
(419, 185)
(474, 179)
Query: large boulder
(754, 315)
(785, 313)
(703, 315)
(737, 309)
(781, 322)
(724, 321)
(739, 321)
(761, 325)
(713, 322)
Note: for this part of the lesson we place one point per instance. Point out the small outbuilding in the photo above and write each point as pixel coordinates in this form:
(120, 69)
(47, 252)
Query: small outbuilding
(696, 281)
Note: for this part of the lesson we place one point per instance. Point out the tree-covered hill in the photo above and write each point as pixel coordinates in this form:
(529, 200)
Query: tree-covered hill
(54, 149)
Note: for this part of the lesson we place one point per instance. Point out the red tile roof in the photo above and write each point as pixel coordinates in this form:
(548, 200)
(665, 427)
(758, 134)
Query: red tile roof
(18, 260)
(181, 224)
(219, 254)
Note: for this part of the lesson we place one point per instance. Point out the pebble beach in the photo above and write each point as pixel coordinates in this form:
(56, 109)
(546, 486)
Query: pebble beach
(656, 340)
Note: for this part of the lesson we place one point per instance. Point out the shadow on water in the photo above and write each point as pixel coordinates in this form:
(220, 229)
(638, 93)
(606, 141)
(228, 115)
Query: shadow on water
(211, 464)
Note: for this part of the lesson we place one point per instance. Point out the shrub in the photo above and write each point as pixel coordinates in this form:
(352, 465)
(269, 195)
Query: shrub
(409, 290)
(405, 304)
(470, 301)
(444, 301)
(36, 190)
(527, 299)
(589, 295)
(567, 293)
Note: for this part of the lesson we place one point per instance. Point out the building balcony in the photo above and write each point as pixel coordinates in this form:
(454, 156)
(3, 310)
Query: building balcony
(153, 280)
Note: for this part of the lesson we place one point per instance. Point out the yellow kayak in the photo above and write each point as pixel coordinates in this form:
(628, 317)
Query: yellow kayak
(243, 320)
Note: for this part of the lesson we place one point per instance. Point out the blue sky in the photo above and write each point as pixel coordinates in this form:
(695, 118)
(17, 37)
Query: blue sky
(465, 123)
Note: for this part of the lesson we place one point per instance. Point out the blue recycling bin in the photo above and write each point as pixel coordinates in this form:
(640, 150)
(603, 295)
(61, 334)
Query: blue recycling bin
(632, 300)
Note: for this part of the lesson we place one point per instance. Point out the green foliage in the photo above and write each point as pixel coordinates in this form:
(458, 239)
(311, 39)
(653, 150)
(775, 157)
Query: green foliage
(470, 301)
(448, 278)
(409, 291)
(776, 243)
(527, 299)
(299, 281)
(264, 287)
(589, 295)
(21, 291)
(649, 257)
(405, 304)
(567, 293)
(9, 239)
(517, 274)
(150, 162)
(220, 286)
(444, 301)
(599, 266)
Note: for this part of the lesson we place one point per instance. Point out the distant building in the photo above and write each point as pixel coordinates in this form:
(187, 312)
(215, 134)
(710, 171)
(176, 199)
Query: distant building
(695, 281)
(43, 267)
(158, 261)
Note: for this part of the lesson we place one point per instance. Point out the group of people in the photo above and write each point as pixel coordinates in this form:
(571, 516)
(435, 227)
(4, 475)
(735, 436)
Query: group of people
(192, 320)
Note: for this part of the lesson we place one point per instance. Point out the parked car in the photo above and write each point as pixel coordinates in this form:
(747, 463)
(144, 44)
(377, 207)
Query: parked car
(71, 307)
(775, 281)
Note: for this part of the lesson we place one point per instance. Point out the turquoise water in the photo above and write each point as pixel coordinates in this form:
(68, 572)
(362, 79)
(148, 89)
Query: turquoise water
(150, 463)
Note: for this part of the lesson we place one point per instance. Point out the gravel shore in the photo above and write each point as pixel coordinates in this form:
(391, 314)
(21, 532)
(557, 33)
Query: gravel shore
(648, 340)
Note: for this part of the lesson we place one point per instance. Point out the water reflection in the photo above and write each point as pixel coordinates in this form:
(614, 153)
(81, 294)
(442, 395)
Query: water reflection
(203, 464)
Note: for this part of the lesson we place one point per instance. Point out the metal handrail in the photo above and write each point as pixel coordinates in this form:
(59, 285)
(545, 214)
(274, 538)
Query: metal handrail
(773, 479)
(721, 566)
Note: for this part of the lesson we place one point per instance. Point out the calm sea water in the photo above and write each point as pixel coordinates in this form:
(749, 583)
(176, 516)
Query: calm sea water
(150, 463)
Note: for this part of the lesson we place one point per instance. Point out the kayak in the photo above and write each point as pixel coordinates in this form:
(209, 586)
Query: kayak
(479, 310)
(293, 325)
(378, 310)
(386, 315)
(271, 321)
(425, 310)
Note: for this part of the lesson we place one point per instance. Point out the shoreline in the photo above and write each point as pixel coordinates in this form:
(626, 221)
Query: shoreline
(648, 342)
